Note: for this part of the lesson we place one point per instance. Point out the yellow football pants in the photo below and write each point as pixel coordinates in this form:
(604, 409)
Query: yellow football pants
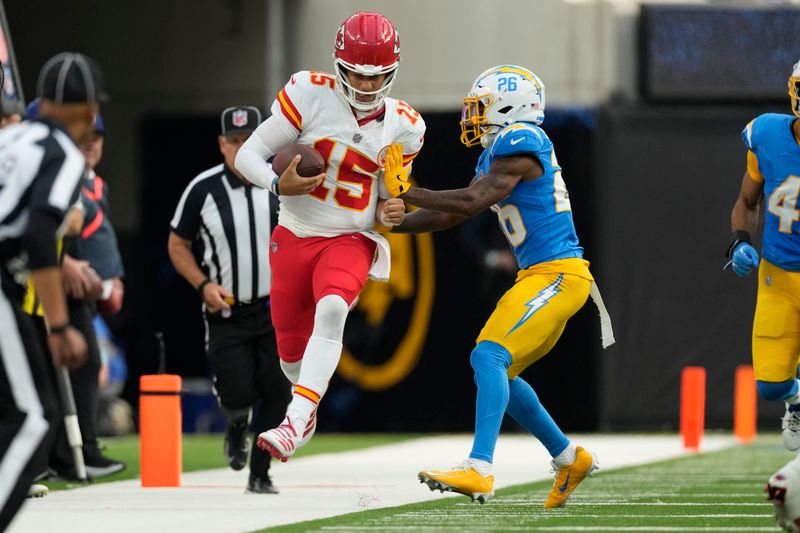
(531, 315)
(776, 326)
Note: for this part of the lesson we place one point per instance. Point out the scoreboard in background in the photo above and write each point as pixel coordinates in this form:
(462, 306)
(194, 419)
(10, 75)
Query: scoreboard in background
(717, 53)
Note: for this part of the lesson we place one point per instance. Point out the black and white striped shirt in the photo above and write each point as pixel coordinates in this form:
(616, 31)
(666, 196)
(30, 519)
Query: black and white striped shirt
(232, 221)
(41, 170)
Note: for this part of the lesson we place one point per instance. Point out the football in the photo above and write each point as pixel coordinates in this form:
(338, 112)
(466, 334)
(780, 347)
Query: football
(311, 163)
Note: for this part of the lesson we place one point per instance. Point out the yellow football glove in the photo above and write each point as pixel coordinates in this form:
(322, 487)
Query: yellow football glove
(395, 176)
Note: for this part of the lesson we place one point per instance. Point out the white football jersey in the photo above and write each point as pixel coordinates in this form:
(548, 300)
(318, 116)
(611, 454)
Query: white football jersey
(355, 152)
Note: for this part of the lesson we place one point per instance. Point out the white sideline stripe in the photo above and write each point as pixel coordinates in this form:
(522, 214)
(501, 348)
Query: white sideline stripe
(668, 504)
(440, 527)
(23, 389)
(319, 486)
(496, 515)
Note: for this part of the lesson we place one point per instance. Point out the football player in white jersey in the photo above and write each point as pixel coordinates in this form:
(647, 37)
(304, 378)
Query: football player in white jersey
(323, 249)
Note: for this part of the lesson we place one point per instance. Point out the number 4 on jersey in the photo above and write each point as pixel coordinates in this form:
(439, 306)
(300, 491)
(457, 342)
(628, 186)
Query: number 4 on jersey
(783, 203)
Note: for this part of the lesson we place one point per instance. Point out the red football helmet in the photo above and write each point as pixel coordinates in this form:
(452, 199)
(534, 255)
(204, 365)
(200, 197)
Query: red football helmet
(366, 43)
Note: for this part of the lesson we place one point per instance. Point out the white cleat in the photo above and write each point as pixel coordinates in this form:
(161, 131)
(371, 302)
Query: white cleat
(280, 442)
(791, 429)
(311, 428)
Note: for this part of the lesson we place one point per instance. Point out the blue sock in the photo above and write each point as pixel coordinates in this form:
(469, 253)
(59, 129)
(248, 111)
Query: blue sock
(490, 361)
(777, 390)
(524, 407)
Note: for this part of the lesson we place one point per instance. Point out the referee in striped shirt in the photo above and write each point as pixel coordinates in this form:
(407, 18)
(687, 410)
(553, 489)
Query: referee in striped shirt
(231, 220)
(41, 175)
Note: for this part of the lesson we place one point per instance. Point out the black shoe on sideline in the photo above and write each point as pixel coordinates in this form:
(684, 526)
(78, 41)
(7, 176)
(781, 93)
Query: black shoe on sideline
(98, 465)
(236, 444)
(260, 485)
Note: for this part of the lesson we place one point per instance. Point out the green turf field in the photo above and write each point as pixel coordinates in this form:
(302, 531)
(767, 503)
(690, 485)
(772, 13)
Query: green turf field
(204, 452)
(721, 491)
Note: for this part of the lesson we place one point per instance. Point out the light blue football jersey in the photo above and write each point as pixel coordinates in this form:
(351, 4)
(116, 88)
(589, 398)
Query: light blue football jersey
(770, 138)
(536, 217)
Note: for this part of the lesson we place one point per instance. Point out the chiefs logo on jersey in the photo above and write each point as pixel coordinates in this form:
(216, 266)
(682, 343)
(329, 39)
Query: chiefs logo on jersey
(382, 156)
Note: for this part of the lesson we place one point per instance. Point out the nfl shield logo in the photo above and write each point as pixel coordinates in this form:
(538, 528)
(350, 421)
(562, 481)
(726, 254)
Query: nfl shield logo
(239, 118)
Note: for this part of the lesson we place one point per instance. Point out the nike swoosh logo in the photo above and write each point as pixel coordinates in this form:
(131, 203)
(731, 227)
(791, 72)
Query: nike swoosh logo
(563, 488)
(515, 141)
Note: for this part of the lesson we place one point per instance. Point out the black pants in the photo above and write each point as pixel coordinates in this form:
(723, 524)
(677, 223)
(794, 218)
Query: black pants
(243, 354)
(85, 389)
(28, 406)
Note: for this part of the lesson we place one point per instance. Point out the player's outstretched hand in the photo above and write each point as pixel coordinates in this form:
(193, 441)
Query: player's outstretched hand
(293, 184)
(744, 259)
(215, 297)
(68, 347)
(392, 212)
(394, 175)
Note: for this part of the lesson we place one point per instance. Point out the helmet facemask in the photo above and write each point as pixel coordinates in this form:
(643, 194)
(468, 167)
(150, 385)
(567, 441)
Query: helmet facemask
(794, 94)
(474, 125)
(351, 93)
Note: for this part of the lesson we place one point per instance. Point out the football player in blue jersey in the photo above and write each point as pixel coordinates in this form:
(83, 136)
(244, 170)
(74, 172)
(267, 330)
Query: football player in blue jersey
(518, 176)
(773, 172)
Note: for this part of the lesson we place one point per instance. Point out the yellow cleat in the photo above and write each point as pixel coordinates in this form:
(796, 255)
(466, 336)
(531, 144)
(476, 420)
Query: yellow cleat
(463, 479)
(569, 477)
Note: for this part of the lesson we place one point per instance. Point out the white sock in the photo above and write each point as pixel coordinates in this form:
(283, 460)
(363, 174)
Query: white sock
(291, 370)
(484, 468)
(319, 364)
(567, 457)
(320, 359)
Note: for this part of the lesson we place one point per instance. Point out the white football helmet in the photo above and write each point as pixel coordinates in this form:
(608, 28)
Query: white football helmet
(783, 490)
(500, 96)
(794, 89)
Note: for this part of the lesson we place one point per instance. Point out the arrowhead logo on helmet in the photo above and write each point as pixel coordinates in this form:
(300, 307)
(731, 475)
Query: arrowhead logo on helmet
(340, 38)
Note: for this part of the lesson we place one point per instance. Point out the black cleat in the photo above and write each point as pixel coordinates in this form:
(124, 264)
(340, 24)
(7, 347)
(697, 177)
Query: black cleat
(260, 485)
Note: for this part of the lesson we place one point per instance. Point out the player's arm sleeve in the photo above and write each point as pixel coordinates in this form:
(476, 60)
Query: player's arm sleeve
(282, 128)
(186, 221)
(751, 142)
(752, 167)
